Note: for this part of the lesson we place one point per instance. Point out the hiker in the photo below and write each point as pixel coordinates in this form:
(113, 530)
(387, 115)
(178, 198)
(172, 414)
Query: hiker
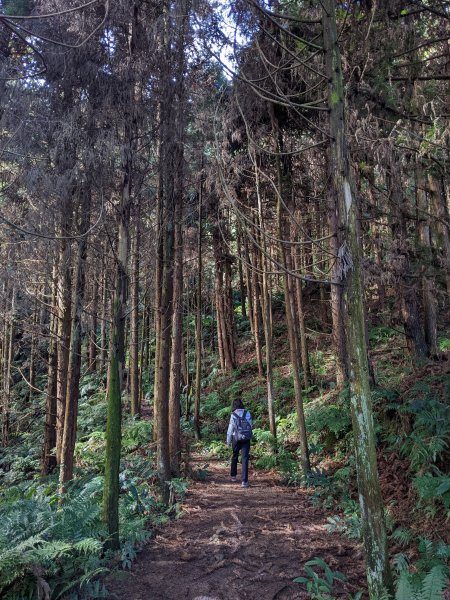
(239, 435)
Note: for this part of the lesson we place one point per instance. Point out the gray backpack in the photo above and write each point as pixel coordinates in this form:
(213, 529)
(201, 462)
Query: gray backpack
(242, 429)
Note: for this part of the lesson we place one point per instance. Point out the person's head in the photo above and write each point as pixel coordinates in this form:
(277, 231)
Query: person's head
(237, 403)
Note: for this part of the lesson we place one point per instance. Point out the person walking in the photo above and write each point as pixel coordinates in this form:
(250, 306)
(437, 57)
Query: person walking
(239, 435)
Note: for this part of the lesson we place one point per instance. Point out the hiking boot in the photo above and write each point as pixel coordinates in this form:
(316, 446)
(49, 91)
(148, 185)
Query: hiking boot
(233, 479)
(245, 484)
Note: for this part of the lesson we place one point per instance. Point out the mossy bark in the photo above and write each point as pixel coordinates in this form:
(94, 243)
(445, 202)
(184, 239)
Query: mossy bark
(113, 438)
(372, 512)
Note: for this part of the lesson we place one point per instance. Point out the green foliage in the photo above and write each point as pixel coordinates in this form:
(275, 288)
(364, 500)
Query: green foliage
(178, 488)
(380, 334)
(433, 489)
(317, 362)
(136, 434)
(327, 422)
(90, 451)
(444, 344)
(427, 578)
(213, 404)
(218, 449)
(320, 586)
(427, 435)
(232, 391)
(50, 544)
(287, 427)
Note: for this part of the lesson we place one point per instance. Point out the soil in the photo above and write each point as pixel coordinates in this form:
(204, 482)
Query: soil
(231, 542)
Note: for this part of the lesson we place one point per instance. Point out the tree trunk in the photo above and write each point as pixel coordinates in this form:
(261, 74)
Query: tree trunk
(351, 277)
(74, 365)
(248, 280)
(441, 226)
(283, 194)
(64, 319)
(266, 314)
(33, 351)
(103, 321)
(257, 316)
(408, 297)
(158, 286)
(134, 321)
(426, 259)
(198, 321)
(177, 337)
(92, 365)
(301, 320)
(336, 294)
(8, 360)
(48, 449)
(117, 338)
(241, 278)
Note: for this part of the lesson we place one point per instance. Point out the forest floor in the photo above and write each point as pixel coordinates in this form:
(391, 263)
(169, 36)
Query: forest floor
(233, 542)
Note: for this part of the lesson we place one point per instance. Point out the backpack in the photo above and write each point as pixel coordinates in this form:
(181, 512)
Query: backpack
(242, 429)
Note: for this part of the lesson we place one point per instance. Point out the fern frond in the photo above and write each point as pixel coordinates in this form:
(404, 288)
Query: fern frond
(88, 546)
(403, 535)
(404, 589)
(434, 583)
(442, 551)
(49, 552)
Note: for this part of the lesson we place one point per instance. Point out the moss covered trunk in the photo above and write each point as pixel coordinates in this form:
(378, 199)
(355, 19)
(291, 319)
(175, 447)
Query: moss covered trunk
(351, 279)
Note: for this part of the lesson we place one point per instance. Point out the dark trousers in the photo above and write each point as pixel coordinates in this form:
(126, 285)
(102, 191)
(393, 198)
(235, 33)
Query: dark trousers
(244, 448)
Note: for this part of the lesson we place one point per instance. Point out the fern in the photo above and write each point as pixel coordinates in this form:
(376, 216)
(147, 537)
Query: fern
(404, 588)
(434, 583)
(433, 488)
(403, 536)
(428, 577)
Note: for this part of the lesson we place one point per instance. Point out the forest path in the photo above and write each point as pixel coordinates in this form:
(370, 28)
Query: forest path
(232, 542)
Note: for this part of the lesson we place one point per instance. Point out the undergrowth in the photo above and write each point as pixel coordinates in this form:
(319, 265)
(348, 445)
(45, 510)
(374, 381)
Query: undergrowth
(52, 544)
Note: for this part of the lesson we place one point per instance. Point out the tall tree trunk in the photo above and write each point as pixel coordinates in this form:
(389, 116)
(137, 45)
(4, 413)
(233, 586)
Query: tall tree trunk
(198, 321)
(8, 360)
(117, 337)
(241, 277)
(266, 313)
(64, 319)
(223, 299)
(301, 319)
(441, 226)
(257, 316)
(372, 512)
(283, 195)
(408, 296)
(48, 462)
(426, 259)
(116, 367)
(103, 320)
(163, 385)
(74, 366)
(33, 350)
(177, 344)
(92, 365)
(336, 294)
(248, 282)
(229, 313)
(134, 321)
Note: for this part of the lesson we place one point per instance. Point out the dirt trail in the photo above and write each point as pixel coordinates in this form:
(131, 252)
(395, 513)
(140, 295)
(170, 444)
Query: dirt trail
(233, 542)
